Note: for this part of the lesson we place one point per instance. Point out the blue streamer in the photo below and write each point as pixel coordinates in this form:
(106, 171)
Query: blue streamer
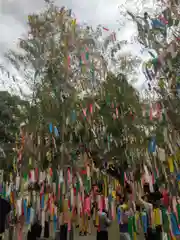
(119, 215)
(174, 224)
(152, 145)
(110, 198)
(73, 116)
(42, 202)
(145, 222)
(28, 215)
(50, 127)
(56, 132)
(178, 177)
(157, 24)
(55, 222)
(25, 209)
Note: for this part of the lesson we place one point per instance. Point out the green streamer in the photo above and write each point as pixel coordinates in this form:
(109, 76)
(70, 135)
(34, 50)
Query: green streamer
(134, 224)
(54, 176)
(60, 205)
(25, 177)
(80, 61)
(178, 211)
(155, 61)
(87, 56)
(122, 179)
(92, 71)
(77, 187)
(130, 227)
(165, 220)
(73, 156)
(108, 99)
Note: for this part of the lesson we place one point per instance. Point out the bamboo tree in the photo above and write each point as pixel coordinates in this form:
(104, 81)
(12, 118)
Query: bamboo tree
(116, 126)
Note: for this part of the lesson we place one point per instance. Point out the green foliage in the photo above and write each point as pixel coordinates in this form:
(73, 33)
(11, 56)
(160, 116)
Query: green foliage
(115, 128)
(13, 111)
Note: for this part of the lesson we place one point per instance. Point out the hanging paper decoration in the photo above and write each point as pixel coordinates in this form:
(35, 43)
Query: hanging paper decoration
(152, 145)
(92, 71)
(171, 164)
(151, 114)
(144, 221)
(56, 132)
(158, 106)
(50, 128)
(57, 187)
(84, 112)
(87, 55)
(73, 116)
(69, 61)
(91, 108)
(113, 36)
(83, 58)
(106, 29)
(163, 20)
(157, 23)
(117, 113)
(174, 225)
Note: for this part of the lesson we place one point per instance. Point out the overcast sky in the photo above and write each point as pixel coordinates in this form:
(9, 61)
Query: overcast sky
(13, 16)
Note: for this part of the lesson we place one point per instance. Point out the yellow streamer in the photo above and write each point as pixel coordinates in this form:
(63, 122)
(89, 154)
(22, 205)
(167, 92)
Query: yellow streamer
(116, 183)
(46, 198)
(161, 83)
(171, 165)
(105, 187)
(157, 217)
(97, 219)
(65, 205)
(73, 22)
(63, 188)
(30, 161)
(114, 194)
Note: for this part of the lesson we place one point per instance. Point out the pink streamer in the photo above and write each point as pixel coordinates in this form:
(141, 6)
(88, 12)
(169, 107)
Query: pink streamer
(19, 232)
(174, 203)
(163, 20)
(87, 205)
(112, 210)
(36, 174)
(153, 180)
(100, 206)
(83, 57)
(69, 226)
(84, 111)
(69, 61)
(69, 176)
(91, 108)
(113, 35)
(125, 177)
(117, 113)
(151, 115)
